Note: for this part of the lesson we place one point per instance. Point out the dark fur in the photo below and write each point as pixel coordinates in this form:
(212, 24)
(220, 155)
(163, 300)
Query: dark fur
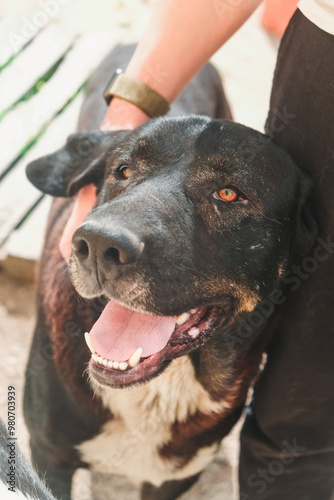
(197, 251)
(26, 480)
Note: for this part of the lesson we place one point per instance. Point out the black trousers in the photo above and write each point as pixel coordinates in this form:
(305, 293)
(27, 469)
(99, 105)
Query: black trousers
(287, 442)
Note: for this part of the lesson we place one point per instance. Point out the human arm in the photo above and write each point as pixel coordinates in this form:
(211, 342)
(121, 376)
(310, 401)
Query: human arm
(179, 39)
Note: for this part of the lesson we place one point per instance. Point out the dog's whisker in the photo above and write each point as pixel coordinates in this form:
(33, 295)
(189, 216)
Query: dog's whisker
(268, 218)
(134, 286)
(138, 294)
(184, 268)
(156, 198)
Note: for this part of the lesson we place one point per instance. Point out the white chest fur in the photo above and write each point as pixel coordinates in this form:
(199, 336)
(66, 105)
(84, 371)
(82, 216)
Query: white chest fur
(143, 415)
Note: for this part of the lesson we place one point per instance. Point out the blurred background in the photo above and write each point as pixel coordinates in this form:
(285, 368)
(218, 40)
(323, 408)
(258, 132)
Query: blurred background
(48, 49)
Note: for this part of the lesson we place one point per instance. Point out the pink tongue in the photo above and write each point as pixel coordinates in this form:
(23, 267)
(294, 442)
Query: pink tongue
(119, 332)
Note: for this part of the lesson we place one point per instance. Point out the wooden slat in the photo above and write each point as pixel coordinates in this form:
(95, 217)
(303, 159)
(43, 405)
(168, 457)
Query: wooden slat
(17, 195)
(21, 74)
(15, 33)
(23, 123)
(26, 241)
(22, 250)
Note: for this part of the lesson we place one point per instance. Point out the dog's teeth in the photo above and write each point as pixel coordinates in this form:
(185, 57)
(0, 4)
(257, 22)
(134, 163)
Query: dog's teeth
(113, 364)
(135, 357)
(193, 311)
(194, 332)
(89, 343)
(180, 320)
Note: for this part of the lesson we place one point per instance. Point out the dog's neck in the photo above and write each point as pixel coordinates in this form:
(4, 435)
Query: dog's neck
(173, 396)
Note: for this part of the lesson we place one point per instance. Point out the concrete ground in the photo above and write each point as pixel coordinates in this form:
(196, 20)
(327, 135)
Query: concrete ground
(246, 63)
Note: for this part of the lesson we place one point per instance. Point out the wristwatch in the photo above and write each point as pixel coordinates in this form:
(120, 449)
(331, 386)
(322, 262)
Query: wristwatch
(137, 93)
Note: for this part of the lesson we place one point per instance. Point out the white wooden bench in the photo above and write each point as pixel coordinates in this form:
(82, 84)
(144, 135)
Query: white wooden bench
(40, 97)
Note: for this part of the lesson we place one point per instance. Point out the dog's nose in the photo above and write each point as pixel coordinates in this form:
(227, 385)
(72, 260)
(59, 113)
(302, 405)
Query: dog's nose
(109, 247)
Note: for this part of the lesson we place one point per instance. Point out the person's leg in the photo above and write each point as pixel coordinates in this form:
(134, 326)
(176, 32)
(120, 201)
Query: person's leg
(287, 443)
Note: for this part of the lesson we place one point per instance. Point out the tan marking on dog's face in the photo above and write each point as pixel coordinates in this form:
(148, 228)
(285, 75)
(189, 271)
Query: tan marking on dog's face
(246, 297)
(249, 304)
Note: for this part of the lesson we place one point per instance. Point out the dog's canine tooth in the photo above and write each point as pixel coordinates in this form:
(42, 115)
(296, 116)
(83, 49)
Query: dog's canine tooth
(89, 343)
(182, 318)
(135, 357)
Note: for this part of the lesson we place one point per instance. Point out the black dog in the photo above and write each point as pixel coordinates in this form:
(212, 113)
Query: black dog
(196, 221)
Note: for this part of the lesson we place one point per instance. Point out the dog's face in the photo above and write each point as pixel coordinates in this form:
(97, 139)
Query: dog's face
(196, 221)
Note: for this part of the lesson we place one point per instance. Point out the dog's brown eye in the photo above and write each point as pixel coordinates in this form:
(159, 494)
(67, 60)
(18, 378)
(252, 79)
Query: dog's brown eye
(124, 171)
(228, 194)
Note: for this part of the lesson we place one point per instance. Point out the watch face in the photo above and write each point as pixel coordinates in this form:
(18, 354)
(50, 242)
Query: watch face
(106, 93)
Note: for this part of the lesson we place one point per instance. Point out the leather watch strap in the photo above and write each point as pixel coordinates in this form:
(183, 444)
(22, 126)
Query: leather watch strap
(137, 93)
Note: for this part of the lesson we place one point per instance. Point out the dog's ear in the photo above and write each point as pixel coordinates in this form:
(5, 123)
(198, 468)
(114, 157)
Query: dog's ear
(306, 225)
(80, 162)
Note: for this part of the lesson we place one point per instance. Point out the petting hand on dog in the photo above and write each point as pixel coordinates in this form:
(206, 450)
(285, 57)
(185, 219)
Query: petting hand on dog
(166, 63)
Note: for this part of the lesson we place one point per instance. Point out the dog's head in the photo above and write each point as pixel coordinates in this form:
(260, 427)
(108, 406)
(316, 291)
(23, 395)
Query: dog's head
(195, 223)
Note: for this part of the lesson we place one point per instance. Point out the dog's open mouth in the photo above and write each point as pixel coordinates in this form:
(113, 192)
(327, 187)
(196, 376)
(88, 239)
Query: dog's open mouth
(129, 346)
